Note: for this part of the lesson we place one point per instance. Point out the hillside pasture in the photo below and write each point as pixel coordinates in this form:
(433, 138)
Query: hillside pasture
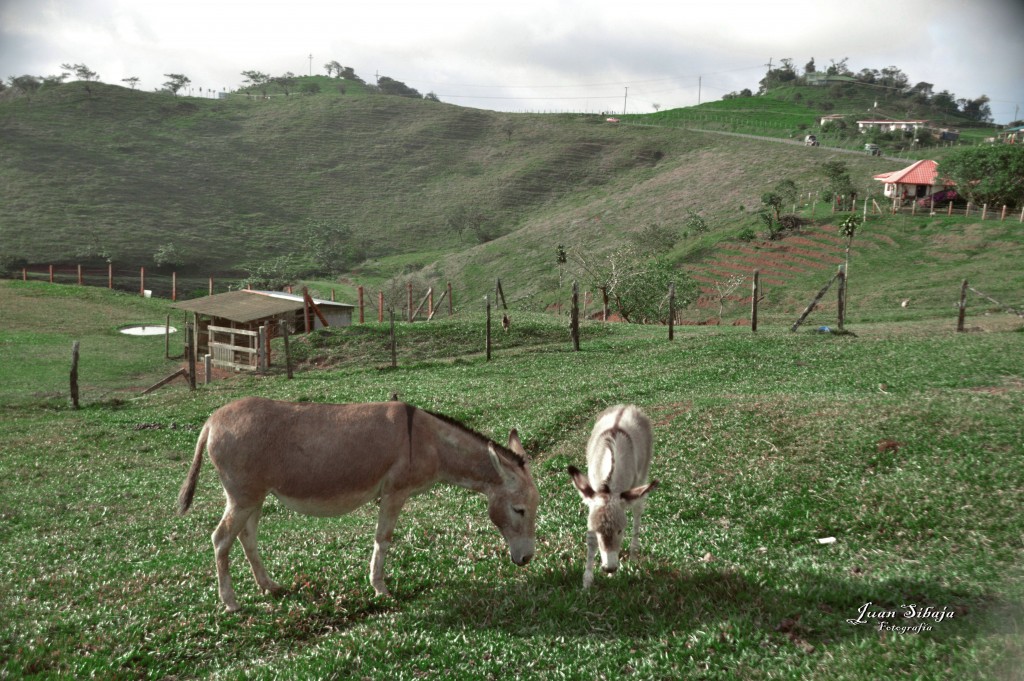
(902, 444)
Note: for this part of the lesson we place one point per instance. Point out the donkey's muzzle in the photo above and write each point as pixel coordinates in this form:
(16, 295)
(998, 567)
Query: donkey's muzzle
(609, 568)
(523, 560)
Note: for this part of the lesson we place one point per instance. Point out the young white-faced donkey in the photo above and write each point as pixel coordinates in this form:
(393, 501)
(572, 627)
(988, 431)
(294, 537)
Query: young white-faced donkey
(618, 464)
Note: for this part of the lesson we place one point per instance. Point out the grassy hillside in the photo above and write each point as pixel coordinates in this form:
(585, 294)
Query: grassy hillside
(117, 173)
(899, 446)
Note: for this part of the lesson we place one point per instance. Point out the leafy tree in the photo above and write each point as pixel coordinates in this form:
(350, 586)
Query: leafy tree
(431, 97)
(987, 174)
(347, 73)
(390, 86)
(809, 67)
(286, 82)
(838, 68)
(176, 82)
(976, 109)
(945, 101)
(26, 85)
(695, 222)
(331, 248)
(787, 190)
(257, 79)
(655, 239)
(773, 202)
(838, 176)
(333, 67)
(637, 284)
(132, 82)
(272, 274)
(168, 255)
(81, 71)
(310, 88)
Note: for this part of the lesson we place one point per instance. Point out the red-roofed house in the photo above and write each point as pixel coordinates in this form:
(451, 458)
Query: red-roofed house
(914, 182)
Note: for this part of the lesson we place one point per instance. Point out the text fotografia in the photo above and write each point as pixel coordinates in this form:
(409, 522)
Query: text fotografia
(910, 619)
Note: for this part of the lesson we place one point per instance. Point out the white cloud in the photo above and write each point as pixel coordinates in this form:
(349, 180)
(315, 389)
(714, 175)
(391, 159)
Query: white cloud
(532, 54)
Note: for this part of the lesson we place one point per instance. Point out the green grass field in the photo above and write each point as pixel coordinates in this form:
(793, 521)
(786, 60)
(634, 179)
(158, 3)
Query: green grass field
(902, 443)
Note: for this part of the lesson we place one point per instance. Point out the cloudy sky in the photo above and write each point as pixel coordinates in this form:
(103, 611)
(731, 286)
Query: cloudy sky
(527, 55)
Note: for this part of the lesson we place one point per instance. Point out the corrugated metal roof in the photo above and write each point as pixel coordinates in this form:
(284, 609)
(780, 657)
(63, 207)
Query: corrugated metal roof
(295, 296)
(240, 306)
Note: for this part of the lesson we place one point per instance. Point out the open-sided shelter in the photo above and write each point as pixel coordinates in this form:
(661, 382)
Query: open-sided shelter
(228, 325)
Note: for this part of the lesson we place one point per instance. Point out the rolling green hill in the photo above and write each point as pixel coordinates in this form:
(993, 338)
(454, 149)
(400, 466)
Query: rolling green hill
(88, 175)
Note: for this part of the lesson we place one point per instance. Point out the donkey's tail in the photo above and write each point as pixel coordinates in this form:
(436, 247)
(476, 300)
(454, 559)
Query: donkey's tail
(188, 488)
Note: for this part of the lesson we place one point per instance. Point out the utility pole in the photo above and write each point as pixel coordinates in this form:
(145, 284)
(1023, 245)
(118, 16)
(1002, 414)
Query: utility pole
(311, 64)
(625, 98)
(769, 65)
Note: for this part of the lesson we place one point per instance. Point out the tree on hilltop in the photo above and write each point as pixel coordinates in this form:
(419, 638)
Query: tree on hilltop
(286, 82)
(176, 82)
(333, 67)
(26, 85)
(132, 81)
(257, 79)
(390, 86)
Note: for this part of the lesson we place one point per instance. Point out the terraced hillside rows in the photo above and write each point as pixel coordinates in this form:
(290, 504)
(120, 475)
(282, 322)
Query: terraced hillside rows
(813, 252)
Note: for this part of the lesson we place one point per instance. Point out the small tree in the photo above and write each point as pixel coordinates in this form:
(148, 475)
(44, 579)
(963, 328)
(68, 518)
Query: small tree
(168, 255)
(333, 67)
(176, 82)
(848, 228)
(132, 81)
(26, 85)
(257, 79)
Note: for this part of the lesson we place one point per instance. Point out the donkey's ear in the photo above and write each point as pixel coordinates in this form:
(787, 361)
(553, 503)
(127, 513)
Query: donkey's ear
(515, 444)
(498, 465)
(581, 482)
(631, 495)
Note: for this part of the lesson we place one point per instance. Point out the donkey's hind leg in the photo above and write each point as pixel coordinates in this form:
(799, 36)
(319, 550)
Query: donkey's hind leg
(229, 527)
(248, 539)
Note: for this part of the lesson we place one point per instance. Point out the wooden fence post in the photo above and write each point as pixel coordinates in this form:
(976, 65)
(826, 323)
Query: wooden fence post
(394, 351)
(841, 298)
(74, 374)
(174, 286)
(671, 311)
(211, 286)
(79, 275)
(499, 294)
(361, 304)
(190, 351)
(261, 350)
(984, 210)
(167, 337)
(51, 274)
(207, 369)
(1002, 216)
(142, 281)
(753, 300)
(574, 317)
(962, 307)
(810, 307)
(287, 348)
(24, 274)
(487, 333)
(305, 309)
(110, 275)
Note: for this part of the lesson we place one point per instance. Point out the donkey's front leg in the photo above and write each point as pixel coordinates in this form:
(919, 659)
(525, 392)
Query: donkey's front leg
(588, 571)
(387, 517)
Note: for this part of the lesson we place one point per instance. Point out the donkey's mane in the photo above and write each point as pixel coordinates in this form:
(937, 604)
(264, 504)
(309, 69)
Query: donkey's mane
(500, 448)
